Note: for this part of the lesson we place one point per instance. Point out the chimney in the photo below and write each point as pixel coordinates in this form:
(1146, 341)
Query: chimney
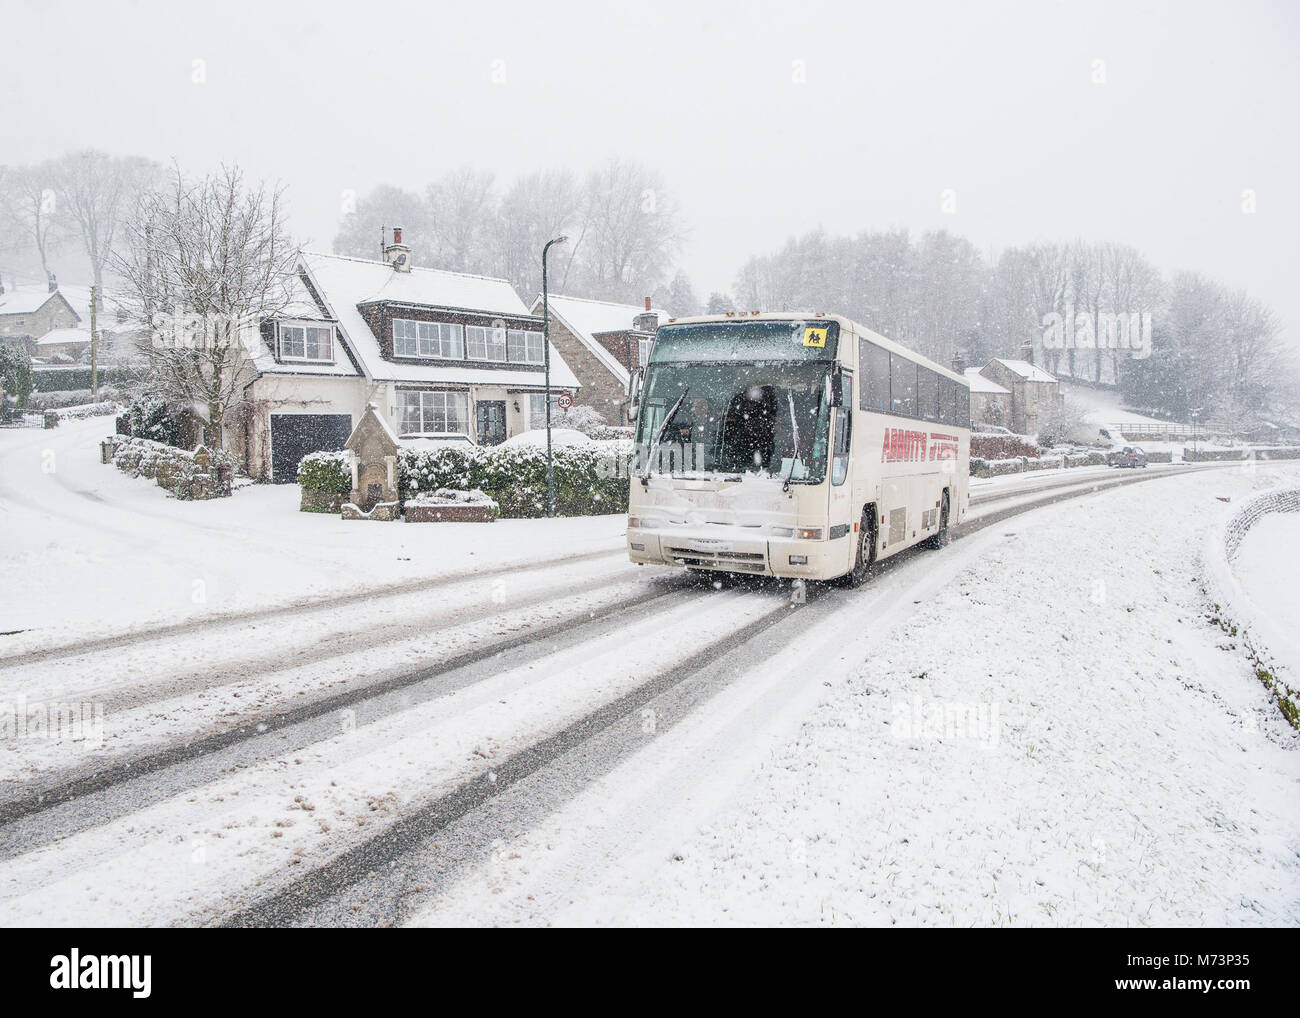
(2, 288)
(1027, 351)
(958, 363)
(397, 254)
(647, 320)
(53, 283)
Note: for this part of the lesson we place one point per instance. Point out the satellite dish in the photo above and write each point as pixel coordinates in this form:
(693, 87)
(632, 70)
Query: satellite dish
(400, 260)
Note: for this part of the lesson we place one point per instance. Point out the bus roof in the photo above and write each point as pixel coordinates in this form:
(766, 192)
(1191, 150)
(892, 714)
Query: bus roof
(845, 324)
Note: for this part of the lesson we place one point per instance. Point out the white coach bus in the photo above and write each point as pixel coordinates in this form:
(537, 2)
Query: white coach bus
(793, 445)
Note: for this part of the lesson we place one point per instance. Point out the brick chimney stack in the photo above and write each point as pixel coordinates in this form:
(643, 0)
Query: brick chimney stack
(397, 254)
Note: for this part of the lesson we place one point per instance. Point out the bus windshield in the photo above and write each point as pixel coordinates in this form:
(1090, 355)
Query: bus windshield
(735, 418)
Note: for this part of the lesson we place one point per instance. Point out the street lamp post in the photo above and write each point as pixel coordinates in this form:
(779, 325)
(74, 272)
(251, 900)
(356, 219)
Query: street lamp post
(546, 361)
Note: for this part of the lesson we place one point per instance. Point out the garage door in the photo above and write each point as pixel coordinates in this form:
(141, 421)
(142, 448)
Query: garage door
(293, 436)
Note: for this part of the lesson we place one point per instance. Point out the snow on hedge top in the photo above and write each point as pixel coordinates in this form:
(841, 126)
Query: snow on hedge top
(537, 437)
(344, 283)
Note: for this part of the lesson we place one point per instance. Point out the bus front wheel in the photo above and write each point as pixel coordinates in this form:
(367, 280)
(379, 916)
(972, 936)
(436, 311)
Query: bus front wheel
(866, 553)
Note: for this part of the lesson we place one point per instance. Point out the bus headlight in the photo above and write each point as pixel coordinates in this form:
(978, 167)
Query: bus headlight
(635, 521)
(782, 532)
(798, 560)
(809, 533)
(636, 547)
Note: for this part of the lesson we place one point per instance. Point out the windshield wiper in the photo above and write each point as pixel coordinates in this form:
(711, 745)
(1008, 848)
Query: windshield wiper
(794, 453)
(654, 445)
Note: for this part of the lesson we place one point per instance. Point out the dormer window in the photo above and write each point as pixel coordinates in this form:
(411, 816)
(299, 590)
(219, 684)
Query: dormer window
(304, 341)
(483, 344)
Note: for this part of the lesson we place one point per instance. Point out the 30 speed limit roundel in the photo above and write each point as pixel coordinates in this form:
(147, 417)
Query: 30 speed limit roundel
(565, 401)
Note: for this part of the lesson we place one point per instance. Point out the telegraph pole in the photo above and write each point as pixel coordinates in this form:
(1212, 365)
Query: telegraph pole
(94, 347)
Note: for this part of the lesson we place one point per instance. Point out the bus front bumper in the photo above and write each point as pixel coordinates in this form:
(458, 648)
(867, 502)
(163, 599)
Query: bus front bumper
(760, 555)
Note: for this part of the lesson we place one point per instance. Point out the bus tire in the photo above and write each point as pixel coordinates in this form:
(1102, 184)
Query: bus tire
(865, 556)
(940, 538)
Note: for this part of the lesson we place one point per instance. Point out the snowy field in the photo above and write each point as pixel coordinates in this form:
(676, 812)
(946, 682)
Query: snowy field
(1036, 726)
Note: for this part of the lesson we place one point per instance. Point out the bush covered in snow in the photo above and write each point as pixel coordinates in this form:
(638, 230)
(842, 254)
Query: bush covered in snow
(590, 479)
(154, 418)
(174, 469)
(325, 479)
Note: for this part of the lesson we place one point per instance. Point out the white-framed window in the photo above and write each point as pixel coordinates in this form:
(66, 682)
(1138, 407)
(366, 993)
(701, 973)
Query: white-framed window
(524, 347)
(485, 344)
(643, 351)
(300, 341)
(426, 411)
(537, 409)
(427, 339)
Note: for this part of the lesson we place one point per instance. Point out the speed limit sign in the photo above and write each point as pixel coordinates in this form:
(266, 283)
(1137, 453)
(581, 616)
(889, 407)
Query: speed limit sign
(565, 401)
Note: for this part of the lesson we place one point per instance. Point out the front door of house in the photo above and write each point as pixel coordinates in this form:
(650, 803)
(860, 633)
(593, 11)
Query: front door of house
(491, 422)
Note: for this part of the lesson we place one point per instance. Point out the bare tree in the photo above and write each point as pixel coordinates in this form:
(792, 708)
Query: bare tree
(205, 262)
(30, 217)
(537, 208)
(360, 231)
(630, 231)
(95, 190)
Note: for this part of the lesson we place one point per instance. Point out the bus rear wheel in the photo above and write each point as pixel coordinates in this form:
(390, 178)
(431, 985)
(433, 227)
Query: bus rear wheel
(866, 553)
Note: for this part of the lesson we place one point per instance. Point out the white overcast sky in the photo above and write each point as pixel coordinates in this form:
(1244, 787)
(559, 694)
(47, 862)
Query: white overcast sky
(902, 100)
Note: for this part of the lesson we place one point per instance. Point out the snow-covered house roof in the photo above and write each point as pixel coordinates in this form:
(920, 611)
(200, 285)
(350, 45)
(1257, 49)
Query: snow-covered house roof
(302, 307)
(345, 284)
(585, 319)
(28, 300)
(979, 383)
(1025, 370)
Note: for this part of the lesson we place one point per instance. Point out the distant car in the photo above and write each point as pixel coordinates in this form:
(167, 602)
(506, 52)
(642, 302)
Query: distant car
(1129, 456)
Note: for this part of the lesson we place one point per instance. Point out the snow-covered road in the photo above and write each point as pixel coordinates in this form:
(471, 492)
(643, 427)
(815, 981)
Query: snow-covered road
(366, 724)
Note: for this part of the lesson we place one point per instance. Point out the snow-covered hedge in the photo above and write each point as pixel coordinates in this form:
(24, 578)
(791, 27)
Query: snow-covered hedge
(173, 469)
(101, 409)
(1288, 452)
(1003, 447)
(590, 479)
(996, 468)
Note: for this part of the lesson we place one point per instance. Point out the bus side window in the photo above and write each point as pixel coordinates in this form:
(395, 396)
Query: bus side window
(840, 462)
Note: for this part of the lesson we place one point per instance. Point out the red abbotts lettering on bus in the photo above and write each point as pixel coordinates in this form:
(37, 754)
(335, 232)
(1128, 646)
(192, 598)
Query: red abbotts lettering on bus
(903, 446)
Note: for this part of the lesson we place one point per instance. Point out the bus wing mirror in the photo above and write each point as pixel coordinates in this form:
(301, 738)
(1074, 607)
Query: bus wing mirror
(838, 385)
(633, 393)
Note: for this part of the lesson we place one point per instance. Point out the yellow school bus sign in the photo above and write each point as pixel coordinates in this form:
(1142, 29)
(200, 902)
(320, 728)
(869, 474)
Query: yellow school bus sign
(814, 337)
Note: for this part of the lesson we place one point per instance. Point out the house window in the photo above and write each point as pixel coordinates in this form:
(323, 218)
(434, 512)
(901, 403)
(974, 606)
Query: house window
(307, 342)
(524, 347)
(423, 412)
(483, 344)
(643, 352)
(537, 409)
(427, 339)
